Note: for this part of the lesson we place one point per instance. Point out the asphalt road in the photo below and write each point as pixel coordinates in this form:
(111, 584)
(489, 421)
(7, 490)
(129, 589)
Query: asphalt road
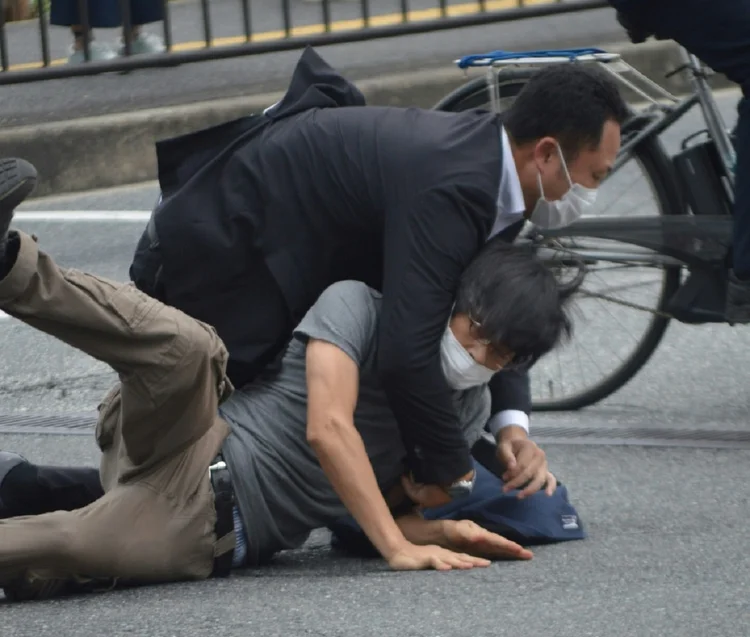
(60, 100)
(667, 552)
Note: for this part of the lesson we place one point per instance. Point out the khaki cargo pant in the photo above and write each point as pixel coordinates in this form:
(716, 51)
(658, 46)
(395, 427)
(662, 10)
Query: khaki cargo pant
(158, 429)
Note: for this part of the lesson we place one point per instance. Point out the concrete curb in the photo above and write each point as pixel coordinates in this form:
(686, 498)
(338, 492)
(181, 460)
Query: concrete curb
(118, 149)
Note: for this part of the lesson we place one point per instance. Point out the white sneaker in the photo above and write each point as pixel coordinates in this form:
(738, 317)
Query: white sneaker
(98, 52)
(144, 43)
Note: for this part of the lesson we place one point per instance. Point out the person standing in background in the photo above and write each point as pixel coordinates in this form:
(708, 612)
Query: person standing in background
(106, 14)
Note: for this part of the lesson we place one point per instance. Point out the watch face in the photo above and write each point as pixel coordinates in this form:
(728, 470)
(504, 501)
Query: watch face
(459, 490)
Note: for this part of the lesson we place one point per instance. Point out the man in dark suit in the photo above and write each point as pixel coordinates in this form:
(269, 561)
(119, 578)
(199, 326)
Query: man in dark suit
(258, 216)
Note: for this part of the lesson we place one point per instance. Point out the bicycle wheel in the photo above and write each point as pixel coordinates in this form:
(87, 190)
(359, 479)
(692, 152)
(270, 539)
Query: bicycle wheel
(559, 381)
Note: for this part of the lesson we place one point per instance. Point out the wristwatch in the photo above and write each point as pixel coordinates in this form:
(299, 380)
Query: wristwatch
(462, 488)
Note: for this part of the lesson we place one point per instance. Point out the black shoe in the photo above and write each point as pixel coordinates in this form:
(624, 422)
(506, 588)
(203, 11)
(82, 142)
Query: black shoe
(17, 181)
(738, 300)
(8, 461)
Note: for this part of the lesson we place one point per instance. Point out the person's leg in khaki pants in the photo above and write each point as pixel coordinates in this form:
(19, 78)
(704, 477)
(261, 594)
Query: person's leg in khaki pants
(159, 430)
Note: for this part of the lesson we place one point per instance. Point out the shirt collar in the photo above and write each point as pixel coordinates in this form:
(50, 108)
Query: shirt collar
(510, 203)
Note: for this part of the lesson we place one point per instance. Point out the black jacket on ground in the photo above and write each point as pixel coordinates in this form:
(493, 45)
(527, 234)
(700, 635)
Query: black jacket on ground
(260, 215)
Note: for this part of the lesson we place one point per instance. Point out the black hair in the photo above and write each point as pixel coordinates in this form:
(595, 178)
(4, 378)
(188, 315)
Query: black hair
(570, 102)
(515, 298)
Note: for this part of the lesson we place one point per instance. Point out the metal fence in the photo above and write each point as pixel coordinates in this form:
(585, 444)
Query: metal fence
(441, 16)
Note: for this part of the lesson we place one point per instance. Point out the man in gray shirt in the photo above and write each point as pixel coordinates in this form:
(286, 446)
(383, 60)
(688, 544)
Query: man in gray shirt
(199, 477)
(281, 488)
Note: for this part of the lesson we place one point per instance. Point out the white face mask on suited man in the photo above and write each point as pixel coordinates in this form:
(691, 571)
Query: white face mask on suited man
(564, 211)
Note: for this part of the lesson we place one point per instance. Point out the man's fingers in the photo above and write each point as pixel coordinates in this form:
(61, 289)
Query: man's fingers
(551, 484)
(461, 560)
(530, 461)
(507, 458)
(497, 546)
(478, 541)
(536, 483)
(524, 554)
(443, 564)
(440, 565)
(516, 551)
(434, 557)
(521, 478)
(474, 560)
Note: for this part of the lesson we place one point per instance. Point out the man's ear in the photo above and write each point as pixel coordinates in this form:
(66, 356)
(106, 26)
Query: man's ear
(545, 151)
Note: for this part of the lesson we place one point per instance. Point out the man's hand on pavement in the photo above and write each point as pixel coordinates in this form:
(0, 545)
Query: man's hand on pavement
(525, 463)
(467, 536)
(412, 557)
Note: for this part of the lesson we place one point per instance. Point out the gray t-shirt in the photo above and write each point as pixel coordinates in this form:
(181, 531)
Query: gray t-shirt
(282, 492)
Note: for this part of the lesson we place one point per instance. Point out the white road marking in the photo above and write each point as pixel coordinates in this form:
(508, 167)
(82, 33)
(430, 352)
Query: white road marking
(83, 215)
(80, 215)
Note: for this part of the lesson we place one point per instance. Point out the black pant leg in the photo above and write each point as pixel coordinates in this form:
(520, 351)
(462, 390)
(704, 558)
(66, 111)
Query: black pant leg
(30, 489)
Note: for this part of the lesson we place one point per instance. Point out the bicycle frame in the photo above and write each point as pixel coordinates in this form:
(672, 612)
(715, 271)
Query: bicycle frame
(680, 240)
(715, 122)
(702, 96)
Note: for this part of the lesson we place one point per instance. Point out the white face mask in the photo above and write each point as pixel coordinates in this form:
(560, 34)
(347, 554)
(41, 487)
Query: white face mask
(564, 211)
(459, 368)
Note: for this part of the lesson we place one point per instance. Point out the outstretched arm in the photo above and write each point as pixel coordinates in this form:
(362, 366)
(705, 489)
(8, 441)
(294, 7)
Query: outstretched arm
(332, 383)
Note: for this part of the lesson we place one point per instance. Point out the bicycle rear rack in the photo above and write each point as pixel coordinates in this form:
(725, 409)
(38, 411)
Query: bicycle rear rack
(497, 61)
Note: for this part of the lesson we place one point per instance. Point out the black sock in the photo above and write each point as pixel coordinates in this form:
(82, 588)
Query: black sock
(744, 277)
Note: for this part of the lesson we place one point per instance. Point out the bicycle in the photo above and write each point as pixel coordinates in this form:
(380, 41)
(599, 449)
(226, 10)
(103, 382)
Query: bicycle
(687, 243)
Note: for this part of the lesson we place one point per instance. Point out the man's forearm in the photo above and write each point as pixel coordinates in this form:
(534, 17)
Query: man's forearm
(417, 530)
(344, 460)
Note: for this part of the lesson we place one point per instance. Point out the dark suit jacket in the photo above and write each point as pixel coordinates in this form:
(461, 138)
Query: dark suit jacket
(323, 189)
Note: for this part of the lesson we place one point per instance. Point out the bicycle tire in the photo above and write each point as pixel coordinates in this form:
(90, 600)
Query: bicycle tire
(658, 167)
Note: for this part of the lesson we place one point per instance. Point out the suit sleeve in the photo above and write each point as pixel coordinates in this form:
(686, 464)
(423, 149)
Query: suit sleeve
(428, 242)
(511, 392)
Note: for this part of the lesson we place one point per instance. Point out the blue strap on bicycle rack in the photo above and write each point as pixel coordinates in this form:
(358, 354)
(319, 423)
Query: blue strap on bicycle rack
(487, 59)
